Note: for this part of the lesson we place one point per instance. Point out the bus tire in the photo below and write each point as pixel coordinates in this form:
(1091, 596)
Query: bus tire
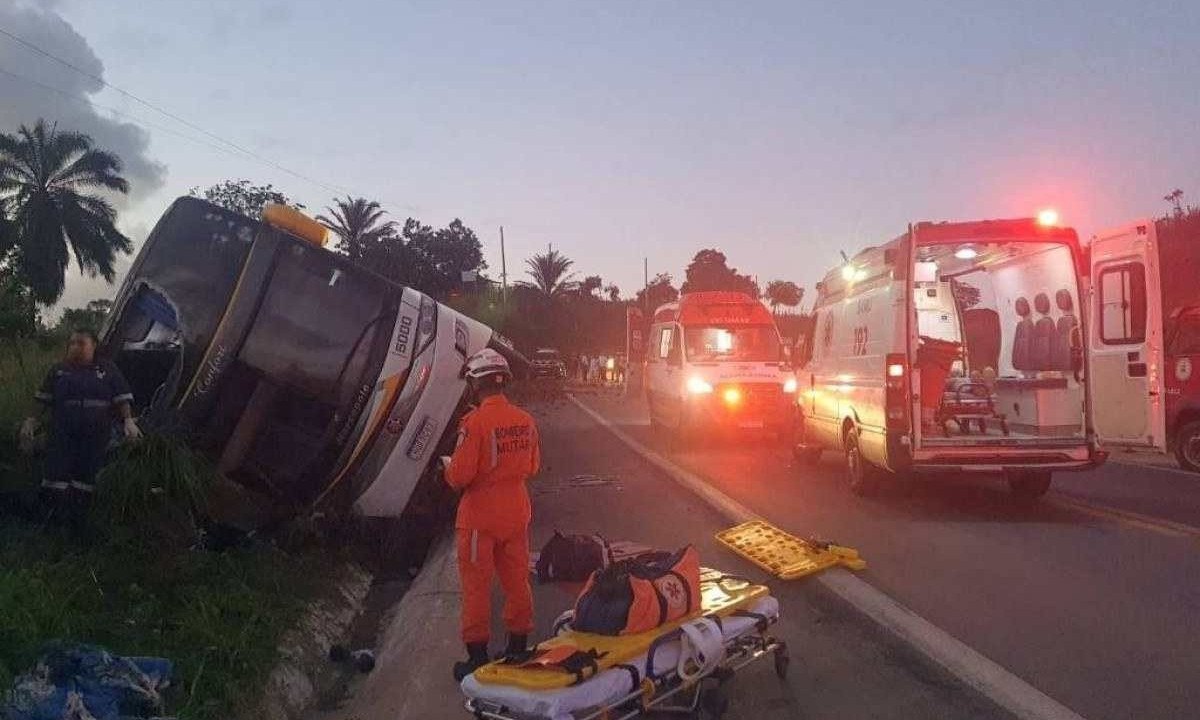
(1029, 485)
(1187, 446)
(860, 475)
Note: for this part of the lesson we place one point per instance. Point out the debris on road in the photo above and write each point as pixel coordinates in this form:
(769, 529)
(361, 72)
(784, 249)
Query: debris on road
(784, 555)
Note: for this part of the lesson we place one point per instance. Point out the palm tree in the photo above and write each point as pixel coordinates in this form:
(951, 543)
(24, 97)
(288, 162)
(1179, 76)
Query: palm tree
(549, 273)
(357, 223)
(48, 184)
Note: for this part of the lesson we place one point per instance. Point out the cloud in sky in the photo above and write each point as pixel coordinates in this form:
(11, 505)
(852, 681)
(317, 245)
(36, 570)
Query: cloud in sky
(27, 97)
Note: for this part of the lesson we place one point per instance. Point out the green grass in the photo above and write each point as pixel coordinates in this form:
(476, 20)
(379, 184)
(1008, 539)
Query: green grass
(218, 616)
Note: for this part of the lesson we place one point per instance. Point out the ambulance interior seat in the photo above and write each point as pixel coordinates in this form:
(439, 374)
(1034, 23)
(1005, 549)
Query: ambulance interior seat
(1064, 329)
(1041, 349)
(1023, 338)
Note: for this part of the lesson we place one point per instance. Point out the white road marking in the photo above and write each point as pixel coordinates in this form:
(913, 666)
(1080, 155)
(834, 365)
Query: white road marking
(993, 681)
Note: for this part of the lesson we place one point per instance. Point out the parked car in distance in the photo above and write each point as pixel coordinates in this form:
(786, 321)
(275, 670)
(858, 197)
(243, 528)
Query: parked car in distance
(547, 363)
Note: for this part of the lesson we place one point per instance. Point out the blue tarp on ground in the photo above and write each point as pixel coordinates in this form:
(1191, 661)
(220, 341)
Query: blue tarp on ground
(82, 682)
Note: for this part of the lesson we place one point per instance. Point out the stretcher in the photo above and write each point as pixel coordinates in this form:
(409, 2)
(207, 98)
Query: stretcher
(678, 667)
(784, 555)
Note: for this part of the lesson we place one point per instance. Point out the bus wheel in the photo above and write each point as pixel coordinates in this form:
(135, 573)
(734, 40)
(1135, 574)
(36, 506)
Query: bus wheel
(1187, 446)
(859, 473)
(1028, 485)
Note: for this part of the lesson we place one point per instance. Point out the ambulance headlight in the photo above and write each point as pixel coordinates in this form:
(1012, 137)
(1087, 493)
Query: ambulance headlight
(790, 385)
(698, 386)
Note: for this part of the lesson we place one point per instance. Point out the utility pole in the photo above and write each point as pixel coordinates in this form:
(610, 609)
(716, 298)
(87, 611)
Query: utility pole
(503, 270)
(646, 283)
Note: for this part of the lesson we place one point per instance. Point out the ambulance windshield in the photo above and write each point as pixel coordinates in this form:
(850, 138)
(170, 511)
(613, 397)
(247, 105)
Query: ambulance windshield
(756, 343)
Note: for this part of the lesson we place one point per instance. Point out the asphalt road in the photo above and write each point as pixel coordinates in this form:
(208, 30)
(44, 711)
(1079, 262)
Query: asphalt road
(1091, 596)
(843, 665)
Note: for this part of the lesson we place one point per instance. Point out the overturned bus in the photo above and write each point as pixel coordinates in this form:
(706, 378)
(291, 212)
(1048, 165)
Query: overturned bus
(301, 374)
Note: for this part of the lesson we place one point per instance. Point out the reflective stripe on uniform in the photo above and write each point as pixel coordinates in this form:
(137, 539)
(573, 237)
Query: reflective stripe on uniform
(495, 451)
(474, 546)
(124, 397)
(87, 403)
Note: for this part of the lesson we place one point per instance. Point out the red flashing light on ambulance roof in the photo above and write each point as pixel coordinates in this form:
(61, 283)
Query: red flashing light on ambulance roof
(1047, 217)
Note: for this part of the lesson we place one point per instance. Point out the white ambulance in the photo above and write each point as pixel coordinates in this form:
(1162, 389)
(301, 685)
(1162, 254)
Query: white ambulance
(960, 347)
(715, 360)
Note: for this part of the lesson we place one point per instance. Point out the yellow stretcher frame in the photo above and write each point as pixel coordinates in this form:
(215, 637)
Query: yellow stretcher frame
(784, 555)
(720, 595)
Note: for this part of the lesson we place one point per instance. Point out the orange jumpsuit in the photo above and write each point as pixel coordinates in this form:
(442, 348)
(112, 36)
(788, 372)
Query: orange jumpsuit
(497, 452)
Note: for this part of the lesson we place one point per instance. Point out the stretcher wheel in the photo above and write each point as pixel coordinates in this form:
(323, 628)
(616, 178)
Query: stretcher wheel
(782, 661)
(714, 703)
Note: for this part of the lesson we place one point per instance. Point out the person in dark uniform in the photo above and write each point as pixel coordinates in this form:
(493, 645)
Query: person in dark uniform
(82, 395)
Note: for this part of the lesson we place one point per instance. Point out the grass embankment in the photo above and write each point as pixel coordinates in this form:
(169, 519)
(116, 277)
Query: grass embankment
(131, 583)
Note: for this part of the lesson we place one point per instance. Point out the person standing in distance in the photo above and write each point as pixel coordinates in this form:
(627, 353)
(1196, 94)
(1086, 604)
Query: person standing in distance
(497, 453)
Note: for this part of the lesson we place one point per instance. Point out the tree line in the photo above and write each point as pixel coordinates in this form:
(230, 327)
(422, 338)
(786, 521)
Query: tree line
(56, 210)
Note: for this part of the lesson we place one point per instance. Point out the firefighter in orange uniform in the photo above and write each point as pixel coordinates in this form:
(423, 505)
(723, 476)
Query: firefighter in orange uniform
(497, 452)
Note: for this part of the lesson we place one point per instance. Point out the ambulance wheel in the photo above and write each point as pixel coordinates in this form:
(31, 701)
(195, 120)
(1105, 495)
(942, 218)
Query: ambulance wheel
(805, 452)
(1187, 446)
(685, 428)
(860, 475)
(782, 661)
(656, 425)
(1028, 485)
(714, 703)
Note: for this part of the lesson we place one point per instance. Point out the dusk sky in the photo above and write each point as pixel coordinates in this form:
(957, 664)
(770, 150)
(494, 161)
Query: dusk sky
(778, 132)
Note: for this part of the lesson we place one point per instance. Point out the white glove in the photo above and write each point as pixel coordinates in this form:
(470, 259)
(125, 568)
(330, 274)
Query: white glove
(445, 459)
(132, 431)
(28, 430)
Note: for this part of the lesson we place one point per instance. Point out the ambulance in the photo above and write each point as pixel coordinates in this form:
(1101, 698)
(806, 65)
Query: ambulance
(971, 347)
(715, 360)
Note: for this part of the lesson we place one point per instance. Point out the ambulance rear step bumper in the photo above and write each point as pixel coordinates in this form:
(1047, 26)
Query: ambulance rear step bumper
(999, 465)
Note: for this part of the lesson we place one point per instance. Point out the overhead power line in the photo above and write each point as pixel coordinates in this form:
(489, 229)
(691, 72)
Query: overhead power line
(248, 153)
(141, 122)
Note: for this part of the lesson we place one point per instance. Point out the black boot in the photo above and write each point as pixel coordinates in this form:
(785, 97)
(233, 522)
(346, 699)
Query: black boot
(517, 650)
(477, 657)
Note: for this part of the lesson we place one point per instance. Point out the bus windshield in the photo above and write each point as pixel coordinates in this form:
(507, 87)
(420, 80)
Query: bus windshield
(757, 343)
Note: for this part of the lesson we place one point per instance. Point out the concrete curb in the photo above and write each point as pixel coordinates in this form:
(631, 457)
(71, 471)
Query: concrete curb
(294, 683)
(419, 645)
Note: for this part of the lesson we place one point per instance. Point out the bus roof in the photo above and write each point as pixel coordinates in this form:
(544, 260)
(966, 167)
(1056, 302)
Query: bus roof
(715, 307)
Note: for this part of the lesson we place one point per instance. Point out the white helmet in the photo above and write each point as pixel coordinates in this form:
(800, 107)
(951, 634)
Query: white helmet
(486, 362)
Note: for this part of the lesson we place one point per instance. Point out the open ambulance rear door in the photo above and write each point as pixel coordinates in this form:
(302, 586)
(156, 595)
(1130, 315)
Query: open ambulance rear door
(1125, 332)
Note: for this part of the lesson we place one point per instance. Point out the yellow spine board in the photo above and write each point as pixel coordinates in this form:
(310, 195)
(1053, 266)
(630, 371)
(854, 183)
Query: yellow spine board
(718, 599)
(784, 555)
